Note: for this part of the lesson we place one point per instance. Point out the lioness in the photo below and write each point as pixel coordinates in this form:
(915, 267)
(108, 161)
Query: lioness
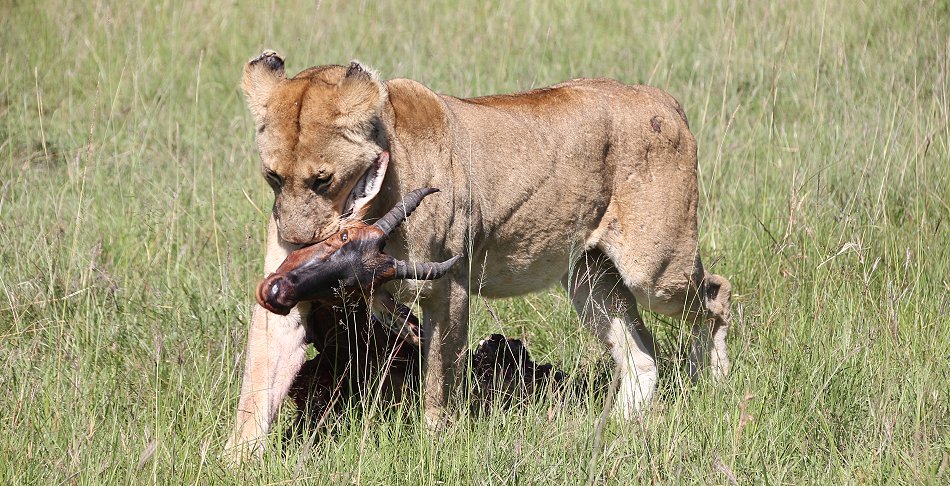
(590, 182)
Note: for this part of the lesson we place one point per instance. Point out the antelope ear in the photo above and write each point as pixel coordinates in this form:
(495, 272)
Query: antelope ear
(261, 75)
(360, 96)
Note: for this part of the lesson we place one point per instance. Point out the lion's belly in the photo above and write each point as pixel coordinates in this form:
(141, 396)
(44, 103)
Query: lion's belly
(500, 277)
(533, 226)
(532, 247)
(502, 280)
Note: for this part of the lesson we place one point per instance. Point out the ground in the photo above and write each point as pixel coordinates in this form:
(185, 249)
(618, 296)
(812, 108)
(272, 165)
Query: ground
(132, 216)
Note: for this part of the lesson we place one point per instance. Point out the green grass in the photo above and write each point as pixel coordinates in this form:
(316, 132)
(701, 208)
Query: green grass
(132, 218)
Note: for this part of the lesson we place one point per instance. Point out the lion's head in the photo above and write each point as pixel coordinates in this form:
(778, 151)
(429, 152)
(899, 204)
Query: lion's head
(322, 145)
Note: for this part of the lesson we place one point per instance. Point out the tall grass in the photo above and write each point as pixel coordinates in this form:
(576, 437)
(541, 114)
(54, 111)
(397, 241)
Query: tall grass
(132, 218)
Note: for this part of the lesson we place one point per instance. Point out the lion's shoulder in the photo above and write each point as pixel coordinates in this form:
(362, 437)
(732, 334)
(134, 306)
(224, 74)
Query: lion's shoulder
(415, 108)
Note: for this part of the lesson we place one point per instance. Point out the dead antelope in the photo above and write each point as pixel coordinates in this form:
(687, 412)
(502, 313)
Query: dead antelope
(340, 278)
(350, 260)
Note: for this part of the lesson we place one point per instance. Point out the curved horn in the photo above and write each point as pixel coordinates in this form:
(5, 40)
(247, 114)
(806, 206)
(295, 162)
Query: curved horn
(401, 211)
(424, 271)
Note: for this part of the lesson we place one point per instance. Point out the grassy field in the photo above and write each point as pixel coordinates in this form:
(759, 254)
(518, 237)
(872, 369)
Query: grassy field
(132, 217)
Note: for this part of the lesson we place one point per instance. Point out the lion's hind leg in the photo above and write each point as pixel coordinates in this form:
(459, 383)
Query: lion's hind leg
(665, 275)
(707, 309)
(717, 299)
(606, 305)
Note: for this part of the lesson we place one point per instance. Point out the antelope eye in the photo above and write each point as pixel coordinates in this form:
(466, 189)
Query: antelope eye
(344, 237)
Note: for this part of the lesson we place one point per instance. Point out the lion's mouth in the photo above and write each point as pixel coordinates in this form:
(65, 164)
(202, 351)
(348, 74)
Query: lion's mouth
(367, 187)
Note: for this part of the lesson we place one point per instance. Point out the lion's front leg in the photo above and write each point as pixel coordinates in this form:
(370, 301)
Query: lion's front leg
(445, 321)
(276, 350)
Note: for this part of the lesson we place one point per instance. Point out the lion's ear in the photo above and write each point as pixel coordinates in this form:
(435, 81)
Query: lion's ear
(261, 75)
(361, 95)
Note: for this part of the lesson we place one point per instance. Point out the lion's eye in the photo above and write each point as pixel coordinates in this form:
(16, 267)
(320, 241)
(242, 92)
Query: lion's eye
(321, 183)
(273, 178)
(344, 237)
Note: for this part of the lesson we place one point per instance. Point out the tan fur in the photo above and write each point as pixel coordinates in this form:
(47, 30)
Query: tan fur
(591, 175)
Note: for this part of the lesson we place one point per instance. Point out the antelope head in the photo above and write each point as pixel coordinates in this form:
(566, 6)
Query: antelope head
(350, 259)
